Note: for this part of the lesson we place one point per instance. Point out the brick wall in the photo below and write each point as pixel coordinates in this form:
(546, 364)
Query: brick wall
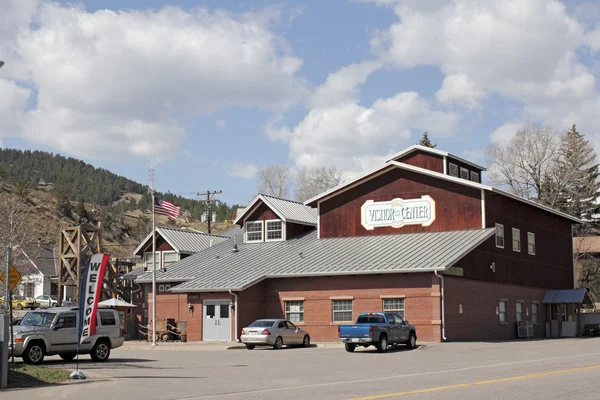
(479, 300)
(420, 291)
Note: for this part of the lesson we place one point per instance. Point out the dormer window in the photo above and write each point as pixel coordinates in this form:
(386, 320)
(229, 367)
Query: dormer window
(464, 173)
(453, 169)
(274, 230)
(475, 176)
(254, 231)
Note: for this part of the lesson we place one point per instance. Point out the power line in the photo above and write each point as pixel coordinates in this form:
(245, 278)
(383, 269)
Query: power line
(209, 201)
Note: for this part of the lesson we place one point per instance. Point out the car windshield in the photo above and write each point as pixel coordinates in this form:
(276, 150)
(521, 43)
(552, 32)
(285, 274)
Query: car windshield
(262, 324)
(53, 297)
(43, 319)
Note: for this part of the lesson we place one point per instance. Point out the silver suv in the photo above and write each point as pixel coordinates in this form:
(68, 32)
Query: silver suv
(54, 331)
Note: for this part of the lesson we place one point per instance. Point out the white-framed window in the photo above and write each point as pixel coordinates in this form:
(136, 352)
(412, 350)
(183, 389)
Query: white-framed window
(254, 231)
(161, 288)
(475, 176)
(167, 287)
(148, 260)
(502, 310)
(294, 311)
(169, 257)
(464, 173)
(519, 311)
(516, 239)
(395, 306)
(534, 313)
(531, 243)
(453, 169)
(500, 236)
(274, 230)
(342, 310)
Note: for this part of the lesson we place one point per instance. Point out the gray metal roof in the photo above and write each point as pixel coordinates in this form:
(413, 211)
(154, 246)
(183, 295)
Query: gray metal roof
(567, 296)
(221, 269)
(287, 210)
(184, 240)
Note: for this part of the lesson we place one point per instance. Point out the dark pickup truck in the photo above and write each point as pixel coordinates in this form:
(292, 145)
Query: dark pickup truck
(378, 329)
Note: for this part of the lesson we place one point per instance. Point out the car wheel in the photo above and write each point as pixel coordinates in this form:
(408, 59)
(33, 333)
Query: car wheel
(382, 344)
(34, 353)
(19, 306)
(412, 341)
(100, 351)
(278, 343)
(67, 356)
(306, 341)
(349, 347)
(54, 304)
(250, 346)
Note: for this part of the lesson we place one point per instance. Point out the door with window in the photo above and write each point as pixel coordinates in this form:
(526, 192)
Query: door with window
(394, 327)
(63, 336)
(216, 324)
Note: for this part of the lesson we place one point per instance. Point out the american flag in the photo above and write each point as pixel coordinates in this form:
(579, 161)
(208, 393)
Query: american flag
(167, 208)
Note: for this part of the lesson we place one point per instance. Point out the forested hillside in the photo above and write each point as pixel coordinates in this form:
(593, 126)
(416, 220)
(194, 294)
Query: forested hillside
(74, 180)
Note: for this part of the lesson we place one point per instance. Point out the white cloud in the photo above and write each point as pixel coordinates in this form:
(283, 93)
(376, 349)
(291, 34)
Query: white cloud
(112, 81)
(461, 90)
(220, 124)
(247, 171)
(275, 132)
(356, 138)
(342, 85)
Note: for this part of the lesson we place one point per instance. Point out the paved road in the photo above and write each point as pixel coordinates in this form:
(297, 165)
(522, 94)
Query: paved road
(557, 369)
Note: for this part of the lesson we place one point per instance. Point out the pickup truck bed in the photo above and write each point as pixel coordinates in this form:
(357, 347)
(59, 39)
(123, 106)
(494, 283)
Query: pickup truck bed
(377, 329)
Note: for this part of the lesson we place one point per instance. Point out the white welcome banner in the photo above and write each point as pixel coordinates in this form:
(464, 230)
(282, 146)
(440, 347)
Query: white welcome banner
(398, 213)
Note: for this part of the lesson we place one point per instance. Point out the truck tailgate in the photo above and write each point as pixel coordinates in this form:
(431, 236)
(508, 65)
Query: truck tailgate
(355, 331)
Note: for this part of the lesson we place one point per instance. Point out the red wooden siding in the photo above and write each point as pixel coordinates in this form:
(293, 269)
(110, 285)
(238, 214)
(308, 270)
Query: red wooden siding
(261, 213)
(424, 160)
(552, 265)
(457, 207)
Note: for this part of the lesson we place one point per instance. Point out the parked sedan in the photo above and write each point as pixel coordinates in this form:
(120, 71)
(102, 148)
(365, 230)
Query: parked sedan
(47, 301)
(19, 303)
(274, 332)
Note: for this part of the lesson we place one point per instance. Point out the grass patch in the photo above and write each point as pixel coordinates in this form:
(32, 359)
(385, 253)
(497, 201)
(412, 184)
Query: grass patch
(23, 375)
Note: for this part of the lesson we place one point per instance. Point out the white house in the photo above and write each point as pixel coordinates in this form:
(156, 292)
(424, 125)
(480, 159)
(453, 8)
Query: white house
(38, 272)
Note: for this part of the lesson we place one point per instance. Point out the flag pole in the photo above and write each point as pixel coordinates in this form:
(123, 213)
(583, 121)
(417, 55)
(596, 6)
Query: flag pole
(153, 270)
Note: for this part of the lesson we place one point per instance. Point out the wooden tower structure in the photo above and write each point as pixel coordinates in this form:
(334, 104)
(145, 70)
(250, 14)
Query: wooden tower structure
(77, 245)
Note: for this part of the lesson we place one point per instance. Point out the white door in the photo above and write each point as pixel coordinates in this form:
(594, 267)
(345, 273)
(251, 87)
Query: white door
(216, 324)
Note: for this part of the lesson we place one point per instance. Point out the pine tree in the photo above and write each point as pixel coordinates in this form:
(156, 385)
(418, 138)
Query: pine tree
(81, 211)
(579, 168)
(426, 142)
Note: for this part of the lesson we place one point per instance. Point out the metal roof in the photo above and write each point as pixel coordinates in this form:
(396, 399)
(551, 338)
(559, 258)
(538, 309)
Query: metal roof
(221, 269)
(287, 210)
(184, 240)
(567, 296)
(442, 153)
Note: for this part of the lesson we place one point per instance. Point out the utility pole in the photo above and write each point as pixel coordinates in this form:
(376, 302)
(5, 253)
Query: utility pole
(153, 259)
(209, 201)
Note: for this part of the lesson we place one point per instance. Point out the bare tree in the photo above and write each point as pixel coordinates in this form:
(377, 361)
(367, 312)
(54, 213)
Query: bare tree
(525, 164)
(274, 180)
(310, 182)
(587, 264)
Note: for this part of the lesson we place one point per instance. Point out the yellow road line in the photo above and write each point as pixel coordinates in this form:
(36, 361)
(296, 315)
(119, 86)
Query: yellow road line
(488, 382)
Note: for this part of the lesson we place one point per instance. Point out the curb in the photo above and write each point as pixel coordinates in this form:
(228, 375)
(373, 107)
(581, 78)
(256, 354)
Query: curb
(200, 346)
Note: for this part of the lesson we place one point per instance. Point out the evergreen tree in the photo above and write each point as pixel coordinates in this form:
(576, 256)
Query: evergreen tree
(81, 211)
(579, 168)
(426, 142)
(62, 193)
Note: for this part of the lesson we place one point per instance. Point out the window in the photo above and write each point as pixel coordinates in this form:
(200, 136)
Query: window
(161, 288)
(167, 288)
(67, 321)
(210, 311)
(107, 318)
(294, 311)
(464, 173)
(502, 310)
(342, 310)
(224, 311)
(519, 311)
(254, 231)
(394, 305)
(169, 257)
(29, 290)
(534, 313)
(289, 325)
(516, 239)
(531, 243)
(274, 230)
(475, 176)
(453, 169)
(148, 260)
(500, 236)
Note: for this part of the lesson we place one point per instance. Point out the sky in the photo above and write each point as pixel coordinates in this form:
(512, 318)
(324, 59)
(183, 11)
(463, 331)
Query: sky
(207, 92)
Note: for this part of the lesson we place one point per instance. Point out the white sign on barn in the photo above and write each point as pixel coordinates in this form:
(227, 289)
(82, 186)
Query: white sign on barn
(398, 213)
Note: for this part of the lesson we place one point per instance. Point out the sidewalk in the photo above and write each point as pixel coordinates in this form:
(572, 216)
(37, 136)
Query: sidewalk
(204, 346)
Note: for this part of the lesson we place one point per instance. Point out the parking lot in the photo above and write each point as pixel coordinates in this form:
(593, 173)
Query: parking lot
(533, 369)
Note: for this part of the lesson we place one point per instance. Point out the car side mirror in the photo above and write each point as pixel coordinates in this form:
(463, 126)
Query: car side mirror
(405, 322)
(57, 326)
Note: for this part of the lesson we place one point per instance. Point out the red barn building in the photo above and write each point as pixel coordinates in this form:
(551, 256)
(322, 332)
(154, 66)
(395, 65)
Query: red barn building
(420, 236)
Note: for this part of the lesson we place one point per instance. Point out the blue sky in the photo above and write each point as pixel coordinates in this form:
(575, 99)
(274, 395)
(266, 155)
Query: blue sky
(207, 92)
